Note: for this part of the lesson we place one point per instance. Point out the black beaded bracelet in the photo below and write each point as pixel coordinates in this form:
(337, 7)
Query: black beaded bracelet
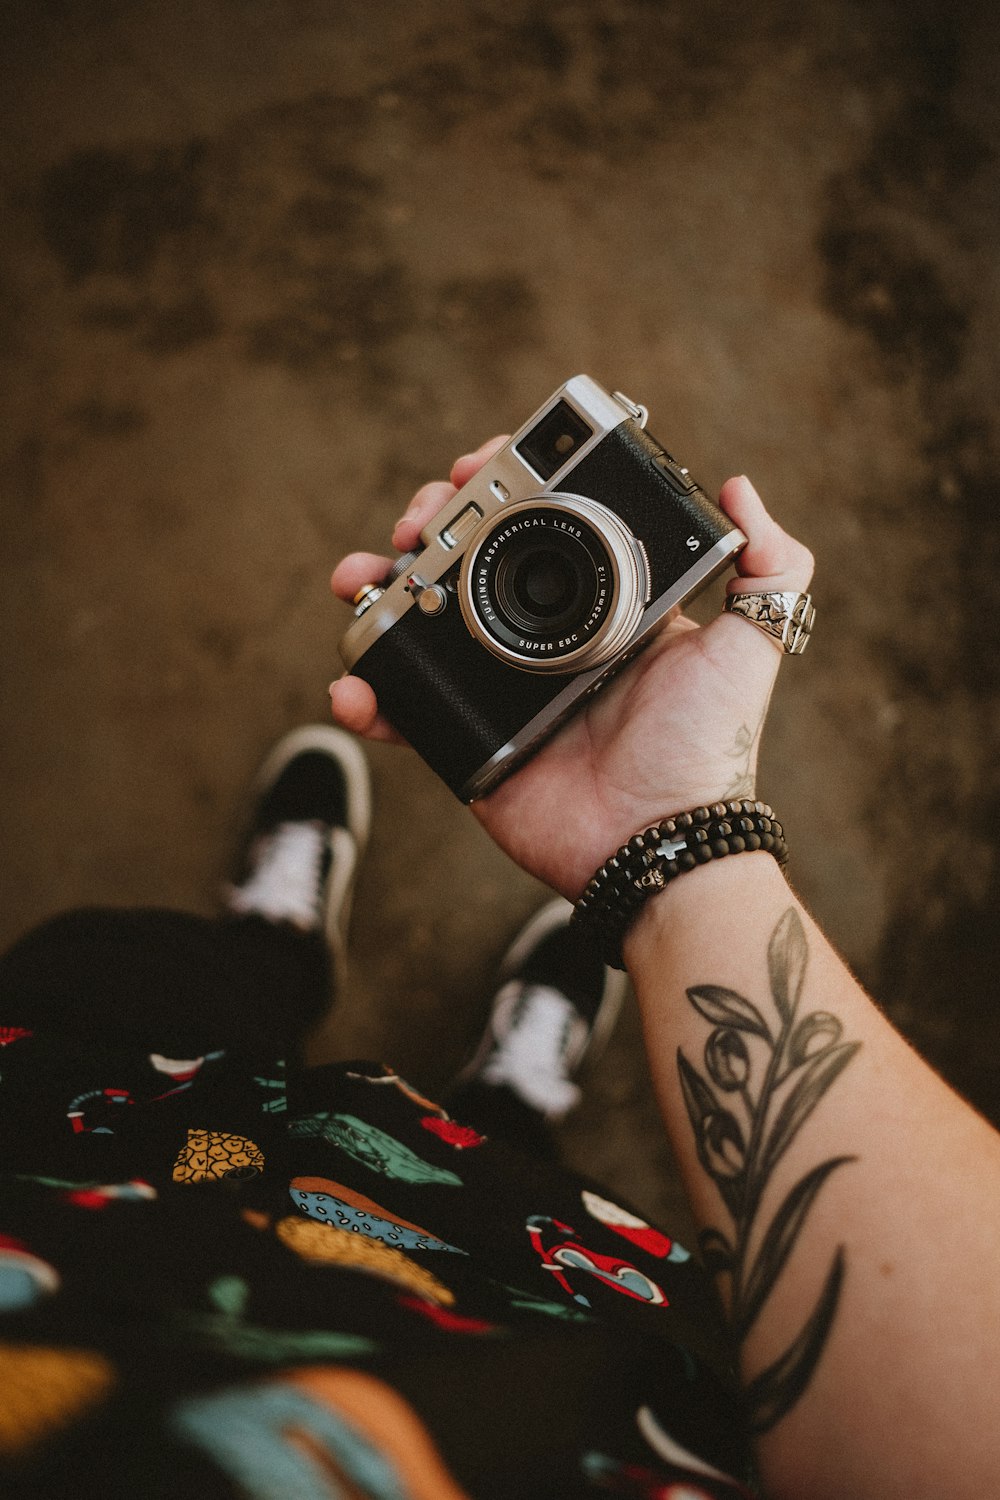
(650, 860)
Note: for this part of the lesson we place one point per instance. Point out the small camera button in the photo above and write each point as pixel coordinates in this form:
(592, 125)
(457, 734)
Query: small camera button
(432, 600)
(460, 527)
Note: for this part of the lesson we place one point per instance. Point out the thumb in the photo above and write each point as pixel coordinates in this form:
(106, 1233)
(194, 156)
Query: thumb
(772, 560)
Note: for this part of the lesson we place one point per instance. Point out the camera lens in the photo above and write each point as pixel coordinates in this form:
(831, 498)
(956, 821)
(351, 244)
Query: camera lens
(545, 585)
(553, 584)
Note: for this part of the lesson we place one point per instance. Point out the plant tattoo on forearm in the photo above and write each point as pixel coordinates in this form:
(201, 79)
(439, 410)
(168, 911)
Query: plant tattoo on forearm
(778, 1076)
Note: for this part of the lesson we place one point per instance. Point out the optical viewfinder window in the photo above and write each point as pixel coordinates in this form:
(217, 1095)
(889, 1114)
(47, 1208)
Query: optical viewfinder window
(554, 440)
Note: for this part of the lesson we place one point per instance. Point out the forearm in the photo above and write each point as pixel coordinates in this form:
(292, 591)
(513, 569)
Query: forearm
(856, 1198)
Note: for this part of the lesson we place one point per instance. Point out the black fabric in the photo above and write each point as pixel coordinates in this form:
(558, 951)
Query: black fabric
(503, 1116)
(169, 978)
(224, 1275)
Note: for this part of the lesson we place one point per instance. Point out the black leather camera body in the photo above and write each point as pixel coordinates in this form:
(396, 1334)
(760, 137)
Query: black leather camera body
(544, 575)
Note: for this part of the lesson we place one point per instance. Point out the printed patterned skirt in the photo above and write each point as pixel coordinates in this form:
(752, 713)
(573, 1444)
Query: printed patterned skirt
(222, 1274)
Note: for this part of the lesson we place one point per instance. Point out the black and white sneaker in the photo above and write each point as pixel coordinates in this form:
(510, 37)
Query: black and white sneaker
(555, 1006)
(308, 832)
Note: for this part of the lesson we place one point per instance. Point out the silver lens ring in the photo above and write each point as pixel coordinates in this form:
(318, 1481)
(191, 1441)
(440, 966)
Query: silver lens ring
(592, 584)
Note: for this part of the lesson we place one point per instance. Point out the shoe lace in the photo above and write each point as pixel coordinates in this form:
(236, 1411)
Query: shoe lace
(286, 882)
(536, 1052)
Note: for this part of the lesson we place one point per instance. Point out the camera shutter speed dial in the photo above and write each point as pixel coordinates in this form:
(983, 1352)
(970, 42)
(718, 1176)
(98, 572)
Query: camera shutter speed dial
(400, 566)
(370, 592)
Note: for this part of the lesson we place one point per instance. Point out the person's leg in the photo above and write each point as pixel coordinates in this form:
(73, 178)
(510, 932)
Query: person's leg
(167, 979)
(554, 1007)
(259, 975)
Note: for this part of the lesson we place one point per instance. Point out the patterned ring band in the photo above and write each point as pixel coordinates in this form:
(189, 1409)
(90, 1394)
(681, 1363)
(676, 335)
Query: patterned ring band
(787, 617)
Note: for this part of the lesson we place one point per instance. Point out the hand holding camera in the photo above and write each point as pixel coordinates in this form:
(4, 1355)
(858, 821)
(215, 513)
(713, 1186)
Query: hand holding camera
(680, 725)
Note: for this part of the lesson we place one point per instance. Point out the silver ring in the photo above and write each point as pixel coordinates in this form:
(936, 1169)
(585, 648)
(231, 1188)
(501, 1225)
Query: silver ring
(786, 617)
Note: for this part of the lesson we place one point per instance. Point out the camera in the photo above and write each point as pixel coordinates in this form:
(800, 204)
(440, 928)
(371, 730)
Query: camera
(541, 578)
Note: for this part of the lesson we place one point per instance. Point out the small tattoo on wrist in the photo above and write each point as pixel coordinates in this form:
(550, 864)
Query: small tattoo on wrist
(742, 751)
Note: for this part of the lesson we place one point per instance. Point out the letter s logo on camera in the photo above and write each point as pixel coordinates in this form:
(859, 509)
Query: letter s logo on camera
(692, 544)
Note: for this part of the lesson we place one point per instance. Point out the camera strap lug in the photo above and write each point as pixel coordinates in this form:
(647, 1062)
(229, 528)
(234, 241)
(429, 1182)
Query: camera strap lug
(639, 413)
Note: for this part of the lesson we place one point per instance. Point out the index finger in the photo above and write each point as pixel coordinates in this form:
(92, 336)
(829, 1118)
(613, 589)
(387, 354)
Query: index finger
(355, 570)
(463, 468)
(430, 498)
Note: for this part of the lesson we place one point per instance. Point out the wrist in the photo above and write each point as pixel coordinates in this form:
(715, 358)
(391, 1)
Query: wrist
(705, 901)
(675, 848)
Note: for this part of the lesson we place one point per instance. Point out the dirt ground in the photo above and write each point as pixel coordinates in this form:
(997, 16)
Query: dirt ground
(267, 266)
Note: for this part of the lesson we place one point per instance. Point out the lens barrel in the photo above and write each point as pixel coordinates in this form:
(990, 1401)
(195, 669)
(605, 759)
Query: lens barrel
(555, 583)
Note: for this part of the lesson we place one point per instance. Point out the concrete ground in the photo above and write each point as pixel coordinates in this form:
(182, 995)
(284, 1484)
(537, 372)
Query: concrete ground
(267, 266)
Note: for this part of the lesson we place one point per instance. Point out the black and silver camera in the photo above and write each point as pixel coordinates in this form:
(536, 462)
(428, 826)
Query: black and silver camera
(547, 572)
